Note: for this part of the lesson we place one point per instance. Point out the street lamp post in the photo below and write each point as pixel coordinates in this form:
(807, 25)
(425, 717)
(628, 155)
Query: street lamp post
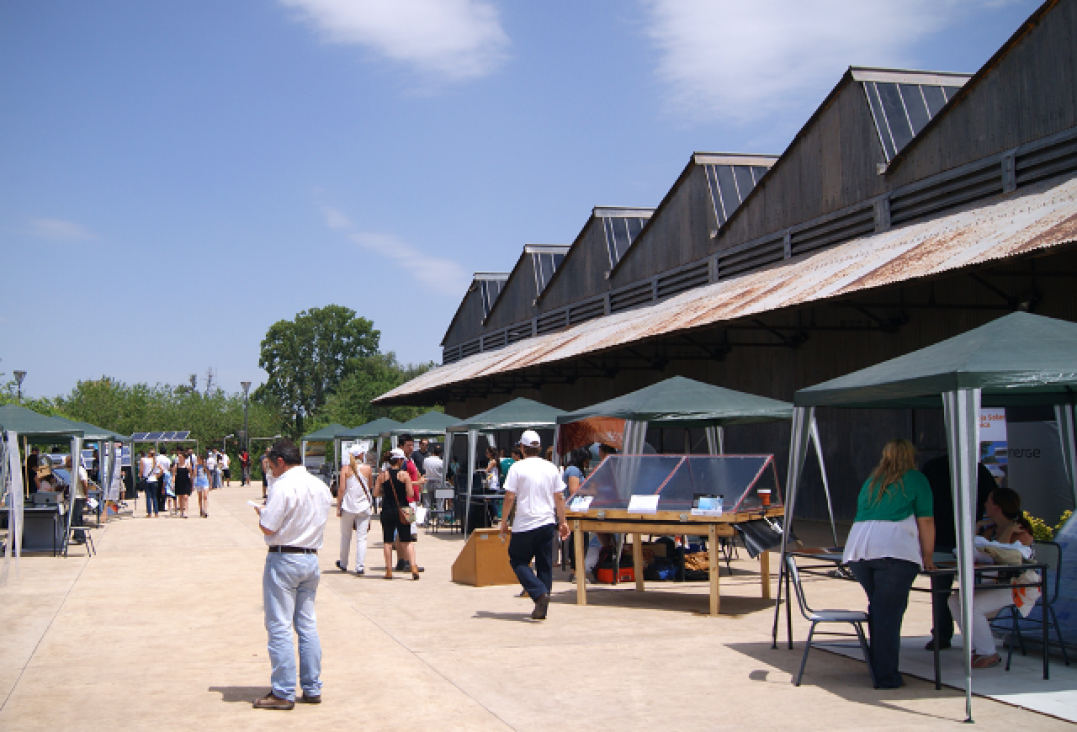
(19, 376)
(224, 442)
(246, 437)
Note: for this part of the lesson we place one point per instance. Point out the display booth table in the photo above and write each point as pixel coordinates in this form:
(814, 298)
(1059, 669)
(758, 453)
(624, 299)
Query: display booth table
(676, 495)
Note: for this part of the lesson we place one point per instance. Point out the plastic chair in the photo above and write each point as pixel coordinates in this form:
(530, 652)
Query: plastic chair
(853, 617)
(1049, 553)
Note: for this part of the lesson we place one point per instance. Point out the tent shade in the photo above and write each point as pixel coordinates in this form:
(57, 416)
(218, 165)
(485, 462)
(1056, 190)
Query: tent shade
(93, 433)
(28, 423)
(1019, 358)
(519, 414)
(431, 424)
(682, 402)
(369, 430)
(325, 434)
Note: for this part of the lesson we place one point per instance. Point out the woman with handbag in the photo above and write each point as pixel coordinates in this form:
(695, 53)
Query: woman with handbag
(394, 486)
(353, 509)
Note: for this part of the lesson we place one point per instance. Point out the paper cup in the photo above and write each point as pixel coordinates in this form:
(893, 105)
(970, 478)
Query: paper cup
(764, 493)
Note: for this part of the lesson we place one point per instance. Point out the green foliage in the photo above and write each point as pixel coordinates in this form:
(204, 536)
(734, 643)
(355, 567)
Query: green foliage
(350, 403)
(307, 359)
(1041, 531)
(114, 405)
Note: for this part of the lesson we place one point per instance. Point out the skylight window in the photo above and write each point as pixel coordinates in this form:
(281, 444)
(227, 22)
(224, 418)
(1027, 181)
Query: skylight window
(901, 110)
(730, 185)
(489, 289)
(545, 260)
(621, 232)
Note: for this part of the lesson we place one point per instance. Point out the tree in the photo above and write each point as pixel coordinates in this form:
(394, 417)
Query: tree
(307, 358)
(350, 403)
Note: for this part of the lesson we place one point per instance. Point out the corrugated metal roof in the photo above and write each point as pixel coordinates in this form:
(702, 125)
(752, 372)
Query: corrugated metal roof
(1043, 217)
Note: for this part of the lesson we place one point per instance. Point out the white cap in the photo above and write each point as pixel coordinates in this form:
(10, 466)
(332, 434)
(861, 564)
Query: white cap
(356, 450)
(397, 454)
(530, 438)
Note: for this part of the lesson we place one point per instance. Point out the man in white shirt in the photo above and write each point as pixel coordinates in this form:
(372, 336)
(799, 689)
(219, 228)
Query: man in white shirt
(534, 486)
(293, 521)
(211, 470)
(149, 471)
(164, 481)
(226, 472)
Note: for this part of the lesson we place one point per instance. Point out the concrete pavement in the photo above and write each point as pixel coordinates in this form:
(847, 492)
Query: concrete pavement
(163, 630)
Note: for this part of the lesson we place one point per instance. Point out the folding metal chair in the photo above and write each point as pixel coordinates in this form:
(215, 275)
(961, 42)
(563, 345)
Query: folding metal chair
(1049, 553)
(853, 617)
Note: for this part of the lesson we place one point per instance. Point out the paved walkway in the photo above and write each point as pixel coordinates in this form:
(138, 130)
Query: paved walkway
(163, 630)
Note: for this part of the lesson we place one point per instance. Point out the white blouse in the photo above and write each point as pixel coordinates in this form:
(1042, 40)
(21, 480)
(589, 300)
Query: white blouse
(880, 539)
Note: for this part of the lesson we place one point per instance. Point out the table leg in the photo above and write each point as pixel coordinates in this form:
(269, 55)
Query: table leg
(1043, 621)
(637, 560)
(764, 573)
(581, 572)
(713, 568)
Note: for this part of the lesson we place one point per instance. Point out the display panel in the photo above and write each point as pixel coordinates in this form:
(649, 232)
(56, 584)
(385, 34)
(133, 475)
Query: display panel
(681, 483)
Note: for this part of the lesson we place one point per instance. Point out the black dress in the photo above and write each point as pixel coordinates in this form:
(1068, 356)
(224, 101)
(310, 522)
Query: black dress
(183, 482)
(395, 497)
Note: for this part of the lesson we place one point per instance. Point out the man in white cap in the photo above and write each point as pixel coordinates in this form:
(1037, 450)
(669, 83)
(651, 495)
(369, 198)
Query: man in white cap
(535, 488)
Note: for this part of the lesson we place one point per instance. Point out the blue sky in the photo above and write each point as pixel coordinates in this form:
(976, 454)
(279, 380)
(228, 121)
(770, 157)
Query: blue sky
(177, 176)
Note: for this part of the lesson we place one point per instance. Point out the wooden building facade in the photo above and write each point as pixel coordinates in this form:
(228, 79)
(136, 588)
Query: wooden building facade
(912, 206)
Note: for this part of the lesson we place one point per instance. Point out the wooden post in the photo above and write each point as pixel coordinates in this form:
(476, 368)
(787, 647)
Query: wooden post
(764, 573)
(637, 560)
(712, 558)
(581, 572)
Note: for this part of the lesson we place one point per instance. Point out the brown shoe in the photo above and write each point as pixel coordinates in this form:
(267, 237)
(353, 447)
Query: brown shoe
(272, 701)
(310, 698)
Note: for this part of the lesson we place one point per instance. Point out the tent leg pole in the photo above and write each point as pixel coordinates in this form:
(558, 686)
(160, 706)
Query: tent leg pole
(826, 482)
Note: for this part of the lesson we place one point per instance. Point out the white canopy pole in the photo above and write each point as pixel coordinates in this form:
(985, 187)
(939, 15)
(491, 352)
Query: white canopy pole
(961, 410)
(303, 452)
(803, 418)
(11, 476)
(1064, 416)
(557, 445)
(76, 462)
(472, 444)
(826, 483)
(711, 432)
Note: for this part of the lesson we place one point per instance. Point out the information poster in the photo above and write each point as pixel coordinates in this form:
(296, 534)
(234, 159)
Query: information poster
(994, 445)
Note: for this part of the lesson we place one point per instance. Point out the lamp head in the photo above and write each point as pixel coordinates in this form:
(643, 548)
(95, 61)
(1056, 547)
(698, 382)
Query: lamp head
(19, 376)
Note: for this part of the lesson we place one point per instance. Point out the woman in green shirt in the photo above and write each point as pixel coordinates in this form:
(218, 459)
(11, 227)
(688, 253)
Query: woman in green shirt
(892, 540)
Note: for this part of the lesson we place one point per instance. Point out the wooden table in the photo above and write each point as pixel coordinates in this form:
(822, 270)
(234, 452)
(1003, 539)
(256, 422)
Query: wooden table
(666, 523)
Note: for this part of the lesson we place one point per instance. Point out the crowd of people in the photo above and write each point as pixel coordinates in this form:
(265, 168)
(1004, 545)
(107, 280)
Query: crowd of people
(168, 478)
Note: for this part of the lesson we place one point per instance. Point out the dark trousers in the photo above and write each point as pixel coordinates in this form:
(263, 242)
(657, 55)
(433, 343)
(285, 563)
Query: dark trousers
(887, 583)
(536, 545)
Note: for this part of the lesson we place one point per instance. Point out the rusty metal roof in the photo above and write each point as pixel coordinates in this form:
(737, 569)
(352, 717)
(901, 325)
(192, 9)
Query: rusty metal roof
(1040, 217)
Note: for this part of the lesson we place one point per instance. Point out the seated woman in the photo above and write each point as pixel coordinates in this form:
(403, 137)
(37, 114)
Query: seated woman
(1005, 525)
(892, 539)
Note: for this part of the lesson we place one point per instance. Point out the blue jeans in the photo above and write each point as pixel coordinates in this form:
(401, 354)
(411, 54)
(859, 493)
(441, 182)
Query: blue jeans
(536, 544)
(289, 585)
(887, 583)
(150, 488)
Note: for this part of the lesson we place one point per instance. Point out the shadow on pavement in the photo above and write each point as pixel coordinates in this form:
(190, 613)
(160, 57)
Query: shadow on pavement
(240, 694)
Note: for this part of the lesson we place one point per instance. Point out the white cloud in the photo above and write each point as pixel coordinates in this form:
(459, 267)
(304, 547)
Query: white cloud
(446, 39)
(441, 276)
(742, 61)
(57, 230)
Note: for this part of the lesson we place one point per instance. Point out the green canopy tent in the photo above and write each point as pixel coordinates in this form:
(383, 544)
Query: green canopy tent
(368, 431)
(1017, 359)
(325, 434)
(108, 463)
(683, 402)
(16, 421)
(519, 414)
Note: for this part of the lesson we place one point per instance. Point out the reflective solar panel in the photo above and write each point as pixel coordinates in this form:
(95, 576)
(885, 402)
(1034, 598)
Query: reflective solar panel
(139, 436)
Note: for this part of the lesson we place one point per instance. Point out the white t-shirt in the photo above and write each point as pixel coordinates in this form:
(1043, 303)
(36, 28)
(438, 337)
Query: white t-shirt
(164, 463)
(355, 498)
(146, 465)
(211, 463)
(435, 469)
(225, 461)
(536, 483)
(296, 510)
